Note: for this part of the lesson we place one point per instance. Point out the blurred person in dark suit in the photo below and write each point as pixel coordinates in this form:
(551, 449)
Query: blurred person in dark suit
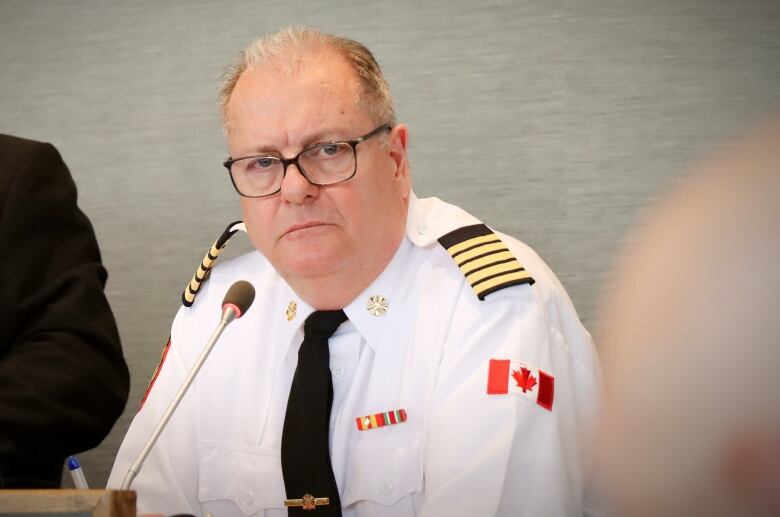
(690, 338)
(63, 380)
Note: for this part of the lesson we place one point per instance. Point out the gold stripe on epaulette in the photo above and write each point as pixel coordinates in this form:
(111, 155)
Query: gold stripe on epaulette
(489, 272)
(494, 284)
(488, 260)
(484, 259)
(476, 241)
(479, 251)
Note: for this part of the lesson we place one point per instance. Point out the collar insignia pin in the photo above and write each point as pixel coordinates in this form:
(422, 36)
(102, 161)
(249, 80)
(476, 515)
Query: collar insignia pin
(377, 305)
(292, 310)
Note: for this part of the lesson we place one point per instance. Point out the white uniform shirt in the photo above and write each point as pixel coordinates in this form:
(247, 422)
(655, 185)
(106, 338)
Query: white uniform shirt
(461, 451)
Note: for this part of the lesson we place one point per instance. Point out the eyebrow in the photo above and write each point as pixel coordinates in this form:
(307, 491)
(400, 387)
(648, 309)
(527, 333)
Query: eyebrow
(332, 134)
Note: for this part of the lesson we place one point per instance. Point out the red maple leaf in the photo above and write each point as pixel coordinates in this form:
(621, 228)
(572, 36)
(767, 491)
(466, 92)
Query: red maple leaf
(524, 379)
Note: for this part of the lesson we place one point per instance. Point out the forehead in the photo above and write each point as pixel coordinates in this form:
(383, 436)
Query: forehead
(293, 97)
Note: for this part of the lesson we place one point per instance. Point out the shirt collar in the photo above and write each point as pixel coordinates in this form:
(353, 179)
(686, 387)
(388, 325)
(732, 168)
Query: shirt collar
(376, 310)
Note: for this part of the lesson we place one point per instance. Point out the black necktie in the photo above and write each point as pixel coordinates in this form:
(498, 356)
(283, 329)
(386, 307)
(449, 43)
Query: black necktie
(306, 463)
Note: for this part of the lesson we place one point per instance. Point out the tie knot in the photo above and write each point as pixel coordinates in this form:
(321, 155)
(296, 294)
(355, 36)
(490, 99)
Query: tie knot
(322, 324)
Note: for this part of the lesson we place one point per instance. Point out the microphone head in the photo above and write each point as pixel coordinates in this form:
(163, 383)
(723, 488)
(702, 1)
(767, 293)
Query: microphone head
(239, 297)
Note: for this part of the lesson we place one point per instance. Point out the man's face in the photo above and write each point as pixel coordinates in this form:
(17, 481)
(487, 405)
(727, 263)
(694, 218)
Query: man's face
(310, 232)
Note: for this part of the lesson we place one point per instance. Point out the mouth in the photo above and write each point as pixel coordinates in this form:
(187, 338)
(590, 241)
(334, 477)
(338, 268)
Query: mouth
(296, 228)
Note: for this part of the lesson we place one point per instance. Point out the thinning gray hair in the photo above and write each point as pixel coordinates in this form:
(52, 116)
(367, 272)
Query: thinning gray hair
(292, 46)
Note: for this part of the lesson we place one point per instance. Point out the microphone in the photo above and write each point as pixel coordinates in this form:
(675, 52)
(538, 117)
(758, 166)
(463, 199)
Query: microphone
(237, 301)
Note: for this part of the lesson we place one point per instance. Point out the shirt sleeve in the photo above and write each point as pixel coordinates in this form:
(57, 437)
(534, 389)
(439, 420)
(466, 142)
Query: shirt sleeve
(168, 480)
(63, 380)
(505, 454)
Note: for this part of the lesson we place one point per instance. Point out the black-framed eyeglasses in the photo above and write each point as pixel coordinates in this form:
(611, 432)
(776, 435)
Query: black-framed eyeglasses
(322, 164)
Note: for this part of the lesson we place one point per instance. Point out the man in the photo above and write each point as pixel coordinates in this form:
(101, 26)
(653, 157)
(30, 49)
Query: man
(446, 399)
(691, 340)
(63, 381)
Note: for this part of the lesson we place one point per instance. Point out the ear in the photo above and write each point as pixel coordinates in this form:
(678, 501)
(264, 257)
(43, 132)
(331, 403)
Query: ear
(398, 141)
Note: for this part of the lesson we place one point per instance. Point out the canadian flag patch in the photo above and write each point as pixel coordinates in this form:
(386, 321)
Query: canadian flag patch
(505, 377)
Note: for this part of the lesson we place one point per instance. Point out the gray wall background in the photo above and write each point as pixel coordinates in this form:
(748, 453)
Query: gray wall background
(556, 122)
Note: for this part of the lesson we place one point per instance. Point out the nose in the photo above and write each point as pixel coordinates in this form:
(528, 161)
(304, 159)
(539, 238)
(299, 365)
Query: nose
(296, 189)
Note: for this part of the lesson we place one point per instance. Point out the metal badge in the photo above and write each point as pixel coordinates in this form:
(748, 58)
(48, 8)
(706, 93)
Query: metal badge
(292, 310)
(377, 305)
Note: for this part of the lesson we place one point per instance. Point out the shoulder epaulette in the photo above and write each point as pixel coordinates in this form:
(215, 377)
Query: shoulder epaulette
(188, 296)
(484, 259)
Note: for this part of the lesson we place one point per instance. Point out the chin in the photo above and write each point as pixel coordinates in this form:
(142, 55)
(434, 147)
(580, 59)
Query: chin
(303, 262)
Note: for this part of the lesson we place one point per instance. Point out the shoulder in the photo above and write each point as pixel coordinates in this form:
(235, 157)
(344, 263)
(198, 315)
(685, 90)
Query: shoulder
(199, 317)
(487, 260)
(546, 286)
(27, 164)
(17, 153)
(14, 145)
(39, 211)
(37, 192)
(252, 267)
(501, 282)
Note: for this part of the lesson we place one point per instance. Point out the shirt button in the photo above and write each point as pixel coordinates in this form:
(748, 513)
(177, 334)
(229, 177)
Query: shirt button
(338, 371)
(249, 498)
(422, 228)
(387, 488)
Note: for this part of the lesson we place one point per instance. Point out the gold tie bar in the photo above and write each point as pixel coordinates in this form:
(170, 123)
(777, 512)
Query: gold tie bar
(308, 502)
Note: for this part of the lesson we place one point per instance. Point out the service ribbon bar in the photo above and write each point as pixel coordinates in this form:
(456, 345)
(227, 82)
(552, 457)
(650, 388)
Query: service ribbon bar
(364, 423)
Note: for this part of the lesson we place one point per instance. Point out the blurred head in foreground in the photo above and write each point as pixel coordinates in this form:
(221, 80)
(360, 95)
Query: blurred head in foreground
(690, 337)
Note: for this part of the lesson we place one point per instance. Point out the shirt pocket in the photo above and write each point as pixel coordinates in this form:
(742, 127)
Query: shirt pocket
(385, 470)
(238, 475)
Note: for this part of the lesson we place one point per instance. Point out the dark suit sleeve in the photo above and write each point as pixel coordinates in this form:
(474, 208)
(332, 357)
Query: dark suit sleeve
(63, 380)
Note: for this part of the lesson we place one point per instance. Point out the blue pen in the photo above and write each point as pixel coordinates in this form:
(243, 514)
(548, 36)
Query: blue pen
(77, 473)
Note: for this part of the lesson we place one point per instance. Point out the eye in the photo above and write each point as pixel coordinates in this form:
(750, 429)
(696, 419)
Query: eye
(262, 163)
(331, 149)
